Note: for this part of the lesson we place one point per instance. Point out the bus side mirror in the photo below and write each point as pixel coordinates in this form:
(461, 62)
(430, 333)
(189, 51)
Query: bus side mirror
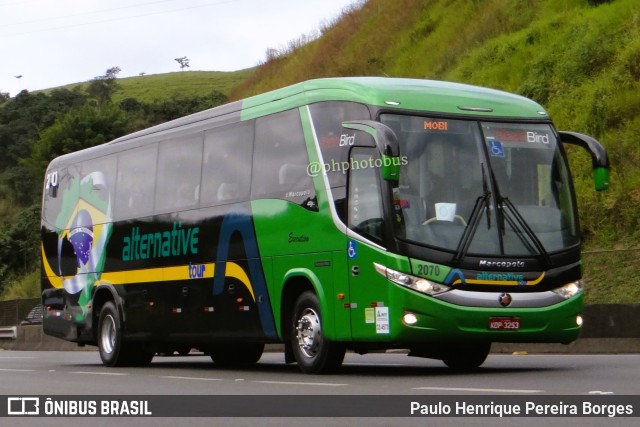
(387, 144)
(599, 157)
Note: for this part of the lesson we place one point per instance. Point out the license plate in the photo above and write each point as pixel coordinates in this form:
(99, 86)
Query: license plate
(504, 323)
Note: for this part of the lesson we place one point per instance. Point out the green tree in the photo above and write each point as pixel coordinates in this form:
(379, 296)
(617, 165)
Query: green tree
(19, 244)
(103, 87)
(80, 128)
(160, 112)
(24, 116)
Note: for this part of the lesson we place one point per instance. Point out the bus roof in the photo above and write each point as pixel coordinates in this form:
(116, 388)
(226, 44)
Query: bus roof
(428, 96)
(398, 93)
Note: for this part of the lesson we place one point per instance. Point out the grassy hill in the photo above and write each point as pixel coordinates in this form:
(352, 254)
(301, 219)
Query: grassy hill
(181, 84)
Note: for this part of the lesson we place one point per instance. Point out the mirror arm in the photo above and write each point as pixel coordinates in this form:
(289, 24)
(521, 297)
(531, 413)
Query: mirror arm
(599, 157)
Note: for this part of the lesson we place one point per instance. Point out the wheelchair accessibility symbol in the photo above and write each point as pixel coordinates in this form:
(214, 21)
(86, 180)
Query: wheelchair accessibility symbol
(496, 149)
(352, 250)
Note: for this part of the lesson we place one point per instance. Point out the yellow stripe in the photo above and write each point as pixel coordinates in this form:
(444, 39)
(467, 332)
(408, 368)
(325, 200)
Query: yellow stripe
(163, 274)
(235, 271)
(54, 279)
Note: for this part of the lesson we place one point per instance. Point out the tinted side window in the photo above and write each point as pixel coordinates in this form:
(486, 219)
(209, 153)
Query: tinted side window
(333, 139)
(335, 142)
(101, 173)
(365, 202)
(178, 182)
(135, 182)
(226, 172)
(280, 160)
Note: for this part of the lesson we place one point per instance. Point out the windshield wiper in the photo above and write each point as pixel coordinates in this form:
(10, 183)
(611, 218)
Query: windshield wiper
(519, 220)
(539, 247)
(506, 211)
(482, 203)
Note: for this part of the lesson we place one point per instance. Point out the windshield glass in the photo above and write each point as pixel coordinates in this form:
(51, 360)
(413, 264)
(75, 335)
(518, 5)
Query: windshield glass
(482, 188)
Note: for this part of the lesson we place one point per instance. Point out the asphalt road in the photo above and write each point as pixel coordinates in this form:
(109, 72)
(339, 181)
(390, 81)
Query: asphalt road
(81, 373)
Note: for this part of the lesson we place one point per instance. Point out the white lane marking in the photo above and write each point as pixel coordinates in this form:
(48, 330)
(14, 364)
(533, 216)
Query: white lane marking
(171, 377)
(115, 374)
(301, 383)
(482, 390)
(601, 392)
(17, 370)
(373, 364)
(17, 357)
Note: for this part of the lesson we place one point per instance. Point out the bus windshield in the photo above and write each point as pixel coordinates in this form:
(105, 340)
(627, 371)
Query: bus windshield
(482, 188)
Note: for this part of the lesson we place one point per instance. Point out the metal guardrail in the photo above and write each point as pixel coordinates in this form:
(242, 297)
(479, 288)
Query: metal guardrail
(9, 332)
(14, 311)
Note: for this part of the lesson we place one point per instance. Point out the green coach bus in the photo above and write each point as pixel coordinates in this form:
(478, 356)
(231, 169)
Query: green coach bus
(347, 213)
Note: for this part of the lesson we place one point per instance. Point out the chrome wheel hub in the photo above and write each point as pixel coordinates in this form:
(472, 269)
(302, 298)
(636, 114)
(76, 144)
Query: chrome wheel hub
(108, 334)
(309, 332)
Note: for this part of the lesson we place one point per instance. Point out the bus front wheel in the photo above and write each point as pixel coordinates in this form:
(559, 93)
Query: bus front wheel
(311, 350)
(467, 357)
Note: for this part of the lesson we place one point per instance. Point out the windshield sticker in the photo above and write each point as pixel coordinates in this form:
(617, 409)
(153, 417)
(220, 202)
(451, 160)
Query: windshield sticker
(495, 148)
(402, 204)
(445, 211)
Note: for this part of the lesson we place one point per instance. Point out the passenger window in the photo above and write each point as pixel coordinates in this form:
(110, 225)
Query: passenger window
(226, 172)
(61, 185)
(178, 182)
(280, 161)
(135, 182)
(101, 174)
(365, 203)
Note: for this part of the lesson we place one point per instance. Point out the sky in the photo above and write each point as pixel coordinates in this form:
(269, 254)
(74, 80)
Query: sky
(51, 43)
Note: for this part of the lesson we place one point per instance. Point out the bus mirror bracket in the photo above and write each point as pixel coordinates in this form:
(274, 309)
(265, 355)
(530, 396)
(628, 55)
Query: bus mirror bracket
(599, 157)
(386, 142)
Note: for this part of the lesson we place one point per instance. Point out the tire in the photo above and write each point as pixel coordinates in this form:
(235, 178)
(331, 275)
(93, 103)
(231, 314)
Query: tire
(114, 350)
(236, 354)
(311, 350)
(466, 358)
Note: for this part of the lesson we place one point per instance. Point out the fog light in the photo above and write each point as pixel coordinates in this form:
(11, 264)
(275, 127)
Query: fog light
(409, 319)
(579, 320)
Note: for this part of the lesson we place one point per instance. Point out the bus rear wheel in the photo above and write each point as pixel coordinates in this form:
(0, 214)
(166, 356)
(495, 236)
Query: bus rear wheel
(467, 357)
(113, 349)
(311, 350)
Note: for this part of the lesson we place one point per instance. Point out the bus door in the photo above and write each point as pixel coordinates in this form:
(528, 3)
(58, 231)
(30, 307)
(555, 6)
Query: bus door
(369, 304)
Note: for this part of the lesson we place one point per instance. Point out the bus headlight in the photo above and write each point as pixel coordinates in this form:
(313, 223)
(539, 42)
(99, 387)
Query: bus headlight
(570, 289)
(412, 282)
